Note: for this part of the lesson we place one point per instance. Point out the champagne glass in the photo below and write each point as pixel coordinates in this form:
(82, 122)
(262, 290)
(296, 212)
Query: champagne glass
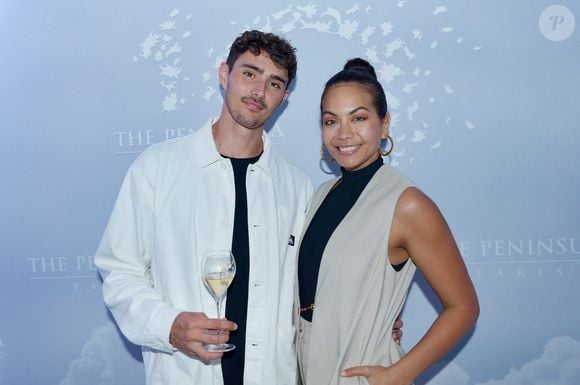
(219, 268)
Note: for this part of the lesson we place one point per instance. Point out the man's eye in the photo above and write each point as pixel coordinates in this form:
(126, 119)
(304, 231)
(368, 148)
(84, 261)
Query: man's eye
(278, 86)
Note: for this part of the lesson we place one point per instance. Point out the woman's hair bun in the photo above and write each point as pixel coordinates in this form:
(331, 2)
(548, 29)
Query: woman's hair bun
(360, 65)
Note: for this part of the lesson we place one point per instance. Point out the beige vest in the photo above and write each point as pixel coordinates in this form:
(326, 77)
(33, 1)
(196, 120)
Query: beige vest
(359, 294)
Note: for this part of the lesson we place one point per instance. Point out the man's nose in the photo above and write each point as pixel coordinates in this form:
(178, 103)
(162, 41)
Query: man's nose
(259, 89)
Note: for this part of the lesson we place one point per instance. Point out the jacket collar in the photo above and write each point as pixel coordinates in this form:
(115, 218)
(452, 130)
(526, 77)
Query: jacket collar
(206, 153)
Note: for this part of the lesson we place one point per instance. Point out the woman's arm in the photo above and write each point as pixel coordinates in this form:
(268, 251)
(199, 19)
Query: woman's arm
(420, 232)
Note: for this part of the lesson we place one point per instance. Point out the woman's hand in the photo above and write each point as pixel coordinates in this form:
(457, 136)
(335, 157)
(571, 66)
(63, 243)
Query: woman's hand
(377, 375)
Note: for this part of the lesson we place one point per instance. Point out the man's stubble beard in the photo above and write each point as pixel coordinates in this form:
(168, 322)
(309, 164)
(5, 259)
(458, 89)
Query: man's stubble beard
(249, 124)
(253, 124)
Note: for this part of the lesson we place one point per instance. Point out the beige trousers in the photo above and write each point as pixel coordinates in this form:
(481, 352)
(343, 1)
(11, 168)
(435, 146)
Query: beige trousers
(304, 328)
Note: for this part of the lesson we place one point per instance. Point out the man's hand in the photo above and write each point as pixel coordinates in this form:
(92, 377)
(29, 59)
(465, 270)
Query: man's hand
(189, 333)
(398, 330)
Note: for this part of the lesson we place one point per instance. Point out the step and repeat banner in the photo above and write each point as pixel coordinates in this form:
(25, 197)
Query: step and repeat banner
(485, 100)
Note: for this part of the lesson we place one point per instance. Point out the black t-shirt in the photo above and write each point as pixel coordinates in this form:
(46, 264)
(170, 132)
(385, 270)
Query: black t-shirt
(237, 296)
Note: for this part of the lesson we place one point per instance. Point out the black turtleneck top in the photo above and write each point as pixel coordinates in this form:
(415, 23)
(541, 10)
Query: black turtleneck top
(331, 212)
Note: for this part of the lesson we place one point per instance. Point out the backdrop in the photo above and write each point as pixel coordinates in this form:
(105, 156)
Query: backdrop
(485, 98)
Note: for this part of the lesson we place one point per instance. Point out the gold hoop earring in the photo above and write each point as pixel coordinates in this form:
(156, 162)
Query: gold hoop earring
(323, 154)
(386, 153)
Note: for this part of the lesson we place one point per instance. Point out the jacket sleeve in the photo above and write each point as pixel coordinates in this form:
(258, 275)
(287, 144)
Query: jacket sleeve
(124, 261)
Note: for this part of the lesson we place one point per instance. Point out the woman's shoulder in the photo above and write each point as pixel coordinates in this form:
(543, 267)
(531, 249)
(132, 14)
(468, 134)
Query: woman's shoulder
(414, 206)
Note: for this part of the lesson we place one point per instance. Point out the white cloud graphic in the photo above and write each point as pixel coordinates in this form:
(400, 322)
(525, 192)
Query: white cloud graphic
(452, 374)
(104, 360)
(558, 365)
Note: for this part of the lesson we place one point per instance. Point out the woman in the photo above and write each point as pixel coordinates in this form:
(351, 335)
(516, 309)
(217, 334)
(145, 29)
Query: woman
(367, 232)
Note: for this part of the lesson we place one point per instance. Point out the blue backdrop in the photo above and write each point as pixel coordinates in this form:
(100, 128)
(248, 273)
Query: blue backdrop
(485, 98)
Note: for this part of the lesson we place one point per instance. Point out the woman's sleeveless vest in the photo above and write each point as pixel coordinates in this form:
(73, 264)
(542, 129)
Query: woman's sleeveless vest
(359, 294)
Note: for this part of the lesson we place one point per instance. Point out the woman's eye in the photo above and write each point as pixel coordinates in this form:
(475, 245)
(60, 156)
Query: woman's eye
(360, 118)
(329, 122)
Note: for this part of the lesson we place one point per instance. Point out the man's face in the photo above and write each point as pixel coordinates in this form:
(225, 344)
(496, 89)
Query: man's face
(254, 88)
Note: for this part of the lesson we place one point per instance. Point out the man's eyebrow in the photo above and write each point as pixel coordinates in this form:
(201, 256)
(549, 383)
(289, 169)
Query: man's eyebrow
(253, 67)
(279, 78)
(261, 71)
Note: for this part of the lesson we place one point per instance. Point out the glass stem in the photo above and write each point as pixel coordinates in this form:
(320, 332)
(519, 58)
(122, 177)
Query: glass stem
(218, 302)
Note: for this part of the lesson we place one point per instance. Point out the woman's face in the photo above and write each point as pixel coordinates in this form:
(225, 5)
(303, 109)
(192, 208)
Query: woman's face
(351, 127)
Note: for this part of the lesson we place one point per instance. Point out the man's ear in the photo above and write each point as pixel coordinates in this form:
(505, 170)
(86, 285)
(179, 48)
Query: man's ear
(223, 73)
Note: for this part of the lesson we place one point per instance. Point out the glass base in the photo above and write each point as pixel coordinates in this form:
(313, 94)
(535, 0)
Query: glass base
(219, 348)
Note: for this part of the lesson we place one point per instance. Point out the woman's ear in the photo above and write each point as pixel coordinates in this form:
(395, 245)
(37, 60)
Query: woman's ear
(385, 125)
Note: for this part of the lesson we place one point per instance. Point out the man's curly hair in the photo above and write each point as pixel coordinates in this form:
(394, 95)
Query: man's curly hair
(279, 49)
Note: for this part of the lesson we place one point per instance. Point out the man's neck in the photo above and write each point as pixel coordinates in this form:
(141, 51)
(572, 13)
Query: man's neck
(235, 141)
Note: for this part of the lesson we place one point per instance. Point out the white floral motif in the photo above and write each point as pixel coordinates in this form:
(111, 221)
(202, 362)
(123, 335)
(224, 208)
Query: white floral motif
(395, 53)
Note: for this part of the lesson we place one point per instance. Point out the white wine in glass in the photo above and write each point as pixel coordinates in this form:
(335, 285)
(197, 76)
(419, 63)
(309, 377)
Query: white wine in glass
(219, 269)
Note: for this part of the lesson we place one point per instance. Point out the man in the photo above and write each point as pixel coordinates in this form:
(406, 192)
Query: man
(223, 187)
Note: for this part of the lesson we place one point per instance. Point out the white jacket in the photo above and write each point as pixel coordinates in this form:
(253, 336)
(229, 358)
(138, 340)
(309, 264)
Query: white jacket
(176, 201)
